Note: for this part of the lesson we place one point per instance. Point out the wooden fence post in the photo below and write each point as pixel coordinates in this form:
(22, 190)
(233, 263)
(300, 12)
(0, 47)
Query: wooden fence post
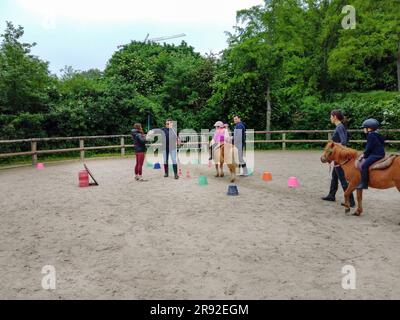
(34, 155)
(122, 147)
(283, 141)
(82, 147)
(329, 136)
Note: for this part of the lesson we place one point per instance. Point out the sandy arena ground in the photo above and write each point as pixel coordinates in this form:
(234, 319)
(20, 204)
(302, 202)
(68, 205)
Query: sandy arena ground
(167, 239)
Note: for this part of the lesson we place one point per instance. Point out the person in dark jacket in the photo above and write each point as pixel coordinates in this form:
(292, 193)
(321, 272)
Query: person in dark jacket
(139, 140)
(170, 140)
(374, 150)
(239, 140)
(340, 135)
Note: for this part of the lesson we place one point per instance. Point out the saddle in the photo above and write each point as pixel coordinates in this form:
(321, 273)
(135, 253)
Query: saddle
(382, 164)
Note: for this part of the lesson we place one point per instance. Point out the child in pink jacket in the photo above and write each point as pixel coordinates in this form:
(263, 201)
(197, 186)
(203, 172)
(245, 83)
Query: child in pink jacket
(221, 135)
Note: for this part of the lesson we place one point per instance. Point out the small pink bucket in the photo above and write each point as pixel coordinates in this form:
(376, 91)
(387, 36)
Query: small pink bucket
(40, 166)
(293, 182)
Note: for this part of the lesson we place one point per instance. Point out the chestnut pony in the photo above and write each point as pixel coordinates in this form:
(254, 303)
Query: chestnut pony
(378, 179)
(226, 153)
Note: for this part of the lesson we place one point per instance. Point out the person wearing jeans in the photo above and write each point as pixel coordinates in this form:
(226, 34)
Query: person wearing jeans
(374, 150)
(139, 140)
(239, 140)
(169, 147)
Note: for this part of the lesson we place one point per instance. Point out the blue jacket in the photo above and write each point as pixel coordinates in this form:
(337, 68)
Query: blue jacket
(340, 135)
(169, 139)
(375, 145)
(239, 131)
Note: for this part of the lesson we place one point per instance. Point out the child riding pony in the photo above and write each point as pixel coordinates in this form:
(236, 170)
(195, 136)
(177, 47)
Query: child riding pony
(385, 177)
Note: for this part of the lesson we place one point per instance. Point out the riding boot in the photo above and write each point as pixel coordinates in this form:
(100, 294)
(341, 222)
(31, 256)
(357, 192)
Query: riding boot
(165, 170)
(244, 172)
(175, 167)
(333, 188)
(364, 180)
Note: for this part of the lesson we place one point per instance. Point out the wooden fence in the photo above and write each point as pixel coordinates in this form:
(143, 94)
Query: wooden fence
(122, 146)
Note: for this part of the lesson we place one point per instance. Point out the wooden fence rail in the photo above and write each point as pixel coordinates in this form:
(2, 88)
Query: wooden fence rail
(34, 152)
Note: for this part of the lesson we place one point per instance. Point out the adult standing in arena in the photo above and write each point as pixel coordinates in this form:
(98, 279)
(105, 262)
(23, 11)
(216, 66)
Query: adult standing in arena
(342, 136)
(239, 140)
(170, 141)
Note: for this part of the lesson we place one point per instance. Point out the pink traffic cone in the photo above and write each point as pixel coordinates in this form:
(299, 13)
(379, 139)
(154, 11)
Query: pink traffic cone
(293, 182)
(40, 166)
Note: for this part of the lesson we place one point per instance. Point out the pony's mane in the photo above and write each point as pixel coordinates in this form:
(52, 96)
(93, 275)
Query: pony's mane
(345, 153)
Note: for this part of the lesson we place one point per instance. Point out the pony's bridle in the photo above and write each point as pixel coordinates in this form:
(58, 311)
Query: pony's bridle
(342, 164)
(330, 151)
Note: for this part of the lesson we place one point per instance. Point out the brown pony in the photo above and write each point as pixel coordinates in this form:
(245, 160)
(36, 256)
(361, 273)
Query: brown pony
(378, 179)
(226, 153)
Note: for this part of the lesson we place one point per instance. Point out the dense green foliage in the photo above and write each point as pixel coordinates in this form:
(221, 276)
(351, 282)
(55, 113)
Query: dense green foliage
(293, 53)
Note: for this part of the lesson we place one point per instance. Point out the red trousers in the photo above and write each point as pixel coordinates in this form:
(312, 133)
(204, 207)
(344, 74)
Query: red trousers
(139, 163)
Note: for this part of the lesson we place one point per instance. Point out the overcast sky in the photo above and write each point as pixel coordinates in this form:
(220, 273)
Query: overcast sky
(84, 33)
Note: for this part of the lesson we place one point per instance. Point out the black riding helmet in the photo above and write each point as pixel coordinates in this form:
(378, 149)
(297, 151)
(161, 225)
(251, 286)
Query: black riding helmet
(371, 124)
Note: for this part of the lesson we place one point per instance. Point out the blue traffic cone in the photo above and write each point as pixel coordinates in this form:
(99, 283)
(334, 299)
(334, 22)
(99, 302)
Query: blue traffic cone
(157, 166)
(233, 190)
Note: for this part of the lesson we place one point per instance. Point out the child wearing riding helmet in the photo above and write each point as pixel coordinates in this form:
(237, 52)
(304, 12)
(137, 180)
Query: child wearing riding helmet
(220, 136)
(374, 150)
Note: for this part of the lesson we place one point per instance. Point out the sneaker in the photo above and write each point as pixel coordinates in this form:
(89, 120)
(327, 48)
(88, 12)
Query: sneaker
(166, 175)
(136, 177)
(176, 177)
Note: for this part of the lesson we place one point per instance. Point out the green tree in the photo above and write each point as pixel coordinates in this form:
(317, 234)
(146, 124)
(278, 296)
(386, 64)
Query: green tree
(25, 82)
(363, 58)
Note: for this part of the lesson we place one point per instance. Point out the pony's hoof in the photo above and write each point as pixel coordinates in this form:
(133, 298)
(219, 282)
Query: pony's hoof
(356, 214)
(222, 175)
(347, 210)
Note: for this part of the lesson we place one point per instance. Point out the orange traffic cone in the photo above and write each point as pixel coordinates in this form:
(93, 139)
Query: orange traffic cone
(267, 176)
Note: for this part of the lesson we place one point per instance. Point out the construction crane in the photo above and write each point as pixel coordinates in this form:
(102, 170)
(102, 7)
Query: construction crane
(158, 39)
(164, 38)
(147, 40)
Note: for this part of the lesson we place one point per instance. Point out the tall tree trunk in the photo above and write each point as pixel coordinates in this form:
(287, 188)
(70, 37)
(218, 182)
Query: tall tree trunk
(398, 67)
(269, 111)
